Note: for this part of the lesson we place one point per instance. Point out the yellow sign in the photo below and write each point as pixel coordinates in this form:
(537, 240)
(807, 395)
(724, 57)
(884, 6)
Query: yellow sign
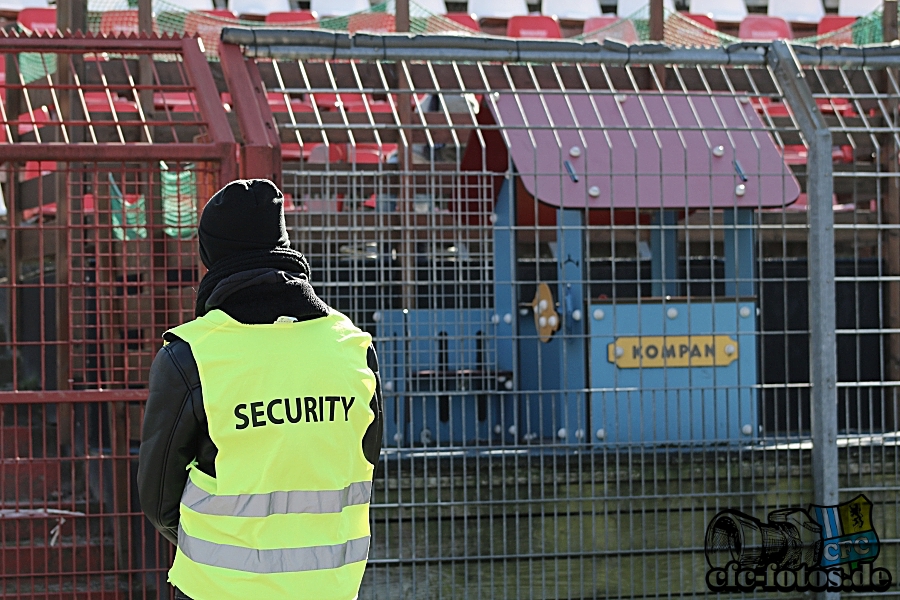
(673, 351)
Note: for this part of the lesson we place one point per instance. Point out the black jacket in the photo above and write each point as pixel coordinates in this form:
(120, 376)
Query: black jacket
(174, 431)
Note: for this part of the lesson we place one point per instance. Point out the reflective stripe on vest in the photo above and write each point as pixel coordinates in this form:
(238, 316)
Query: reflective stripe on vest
(275, 503)
(281, 560)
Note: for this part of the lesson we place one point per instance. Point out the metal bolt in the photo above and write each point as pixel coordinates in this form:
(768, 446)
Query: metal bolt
(542, 305)
(574, 151)
(621, 98)
(740, 190)
(542, 321)
(553, 321)
(619, 351)
(495, 318)
(576, 315)
(512, 430)
(507, 318)
(389, 386)
(719, 151)
(508, 385)
(579, 434)
(599, 314)
(729, 349)
(498, 429)
(376, 317)
(747, 429)
(493, 218)
(672, 313)
(601, 434)
(561, 434)
(398, 437)
(745, 311)
(594, 191)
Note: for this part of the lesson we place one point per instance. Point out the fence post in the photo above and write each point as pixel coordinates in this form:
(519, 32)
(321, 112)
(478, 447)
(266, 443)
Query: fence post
(822, 323)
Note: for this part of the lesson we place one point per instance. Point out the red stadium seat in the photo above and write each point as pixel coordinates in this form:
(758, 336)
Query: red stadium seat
(595, 23)
(208, 23)
(465, 19)
(834, 23)
(293, 16)
(533, 26)
(38, 20)
(320, 154)
(622, 30)
(278, 104)
(704, 20)
(765, 29)
(119, 22)
(374, 22)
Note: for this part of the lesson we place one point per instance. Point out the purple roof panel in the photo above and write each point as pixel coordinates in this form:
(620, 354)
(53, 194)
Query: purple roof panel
(675, 151)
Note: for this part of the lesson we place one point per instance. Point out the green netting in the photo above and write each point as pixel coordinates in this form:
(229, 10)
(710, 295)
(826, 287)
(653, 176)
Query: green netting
(128, 213)
(179, 201)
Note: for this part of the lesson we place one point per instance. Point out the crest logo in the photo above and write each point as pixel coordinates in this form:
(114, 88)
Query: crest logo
(824, 548)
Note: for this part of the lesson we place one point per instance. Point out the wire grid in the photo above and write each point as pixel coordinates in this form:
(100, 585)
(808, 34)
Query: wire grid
(70, 521)
(568, 479)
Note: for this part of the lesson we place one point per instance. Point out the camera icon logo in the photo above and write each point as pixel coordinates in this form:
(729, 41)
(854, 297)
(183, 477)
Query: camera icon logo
(823, 548)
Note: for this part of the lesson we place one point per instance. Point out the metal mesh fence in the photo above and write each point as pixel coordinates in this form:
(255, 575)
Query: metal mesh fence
(107, 158)
(589, 289)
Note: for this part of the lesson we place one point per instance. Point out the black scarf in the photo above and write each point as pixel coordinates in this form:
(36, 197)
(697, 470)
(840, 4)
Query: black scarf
(283, 259)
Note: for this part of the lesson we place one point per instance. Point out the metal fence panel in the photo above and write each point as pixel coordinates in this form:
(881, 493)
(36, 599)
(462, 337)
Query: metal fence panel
(109, 148)
(589, 282)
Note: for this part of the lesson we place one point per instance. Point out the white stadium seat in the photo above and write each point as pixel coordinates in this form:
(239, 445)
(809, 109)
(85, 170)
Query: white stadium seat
(571, 9)
(797, 11)
(720, 10)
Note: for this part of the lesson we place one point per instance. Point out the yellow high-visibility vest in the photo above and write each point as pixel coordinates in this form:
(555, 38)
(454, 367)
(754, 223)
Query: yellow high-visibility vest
(287, 514)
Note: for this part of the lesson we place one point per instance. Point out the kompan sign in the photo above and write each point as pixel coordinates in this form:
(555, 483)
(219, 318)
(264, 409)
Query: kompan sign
(827, 548)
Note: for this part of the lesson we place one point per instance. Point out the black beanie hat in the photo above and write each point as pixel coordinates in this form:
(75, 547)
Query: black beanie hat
(245, 215)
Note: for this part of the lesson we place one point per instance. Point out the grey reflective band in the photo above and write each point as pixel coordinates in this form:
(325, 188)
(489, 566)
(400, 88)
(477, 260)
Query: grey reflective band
(276, 503)
(281, 560)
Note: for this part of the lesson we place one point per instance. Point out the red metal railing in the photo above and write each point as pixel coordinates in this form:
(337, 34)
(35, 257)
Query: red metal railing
(108, 149)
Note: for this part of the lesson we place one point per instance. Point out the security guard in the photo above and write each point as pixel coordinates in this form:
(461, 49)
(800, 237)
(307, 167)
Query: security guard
(263, 424)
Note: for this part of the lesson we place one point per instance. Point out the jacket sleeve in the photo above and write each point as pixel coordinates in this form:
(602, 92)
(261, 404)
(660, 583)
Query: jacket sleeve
(169, 435)
(372, 438)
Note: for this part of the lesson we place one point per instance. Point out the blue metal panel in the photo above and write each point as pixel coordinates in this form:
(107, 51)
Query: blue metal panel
(445, 376)
(572, 358)
(663, 254)
(505, 302)
(673, 404)
(739, 252)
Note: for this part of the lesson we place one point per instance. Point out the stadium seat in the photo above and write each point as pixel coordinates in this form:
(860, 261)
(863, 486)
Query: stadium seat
(320, 154)
(704, 20)
(292, 16)
(765, 29)
(626, 8)
(258, 7)
(732, 11)
(38, 20)
(595, 23)
(208, 24)
(498, 9)
(371, 22)
(836, 23)
(338, 8)
(533, 26)
(857, 8)
(571, 9)
(797, 11)
(467, 20)
(621, 30)
(119, 22)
